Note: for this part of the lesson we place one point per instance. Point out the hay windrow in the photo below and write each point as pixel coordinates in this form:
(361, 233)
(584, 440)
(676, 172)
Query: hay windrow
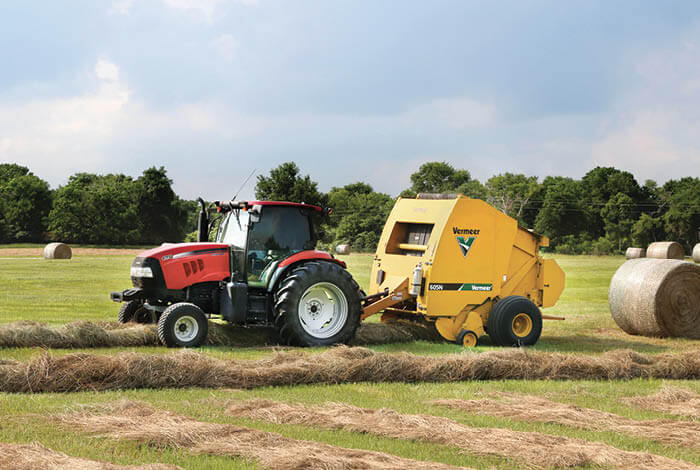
(531, 408)
(145, 425)
(131, 370)
(27, 334)
(655, 297)
(672, 400)
(531, 448)
(84, 334)
(35, 456)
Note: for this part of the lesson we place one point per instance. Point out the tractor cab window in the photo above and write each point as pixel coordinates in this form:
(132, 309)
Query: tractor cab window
(281, 232)
(233, 230)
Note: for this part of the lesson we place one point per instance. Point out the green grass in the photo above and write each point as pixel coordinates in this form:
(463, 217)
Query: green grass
(57, 292)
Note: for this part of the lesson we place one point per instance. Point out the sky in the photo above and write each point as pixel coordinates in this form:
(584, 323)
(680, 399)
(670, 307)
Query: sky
(351, 90)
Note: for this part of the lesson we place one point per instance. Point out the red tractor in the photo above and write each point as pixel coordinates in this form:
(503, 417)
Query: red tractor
(261, 270)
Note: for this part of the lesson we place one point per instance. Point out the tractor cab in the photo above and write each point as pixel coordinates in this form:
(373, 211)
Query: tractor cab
(262, 234)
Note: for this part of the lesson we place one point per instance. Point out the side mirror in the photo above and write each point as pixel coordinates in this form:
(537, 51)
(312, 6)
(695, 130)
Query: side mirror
(254, 216)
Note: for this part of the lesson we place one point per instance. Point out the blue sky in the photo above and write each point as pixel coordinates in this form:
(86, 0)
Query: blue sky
(350, 90)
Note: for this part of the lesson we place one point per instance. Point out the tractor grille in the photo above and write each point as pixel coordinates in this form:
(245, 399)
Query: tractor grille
(156, 282)
(193, 267)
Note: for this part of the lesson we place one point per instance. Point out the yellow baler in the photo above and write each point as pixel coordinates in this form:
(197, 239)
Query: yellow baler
(466, 266)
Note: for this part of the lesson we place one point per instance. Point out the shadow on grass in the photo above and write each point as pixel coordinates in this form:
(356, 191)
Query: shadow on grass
(594, 344)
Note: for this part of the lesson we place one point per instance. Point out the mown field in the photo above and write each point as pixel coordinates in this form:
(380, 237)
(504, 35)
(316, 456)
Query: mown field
(59, 292)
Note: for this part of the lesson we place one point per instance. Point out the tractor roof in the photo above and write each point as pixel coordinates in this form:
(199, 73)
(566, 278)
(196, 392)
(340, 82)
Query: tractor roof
(225, 206)
(284, 203)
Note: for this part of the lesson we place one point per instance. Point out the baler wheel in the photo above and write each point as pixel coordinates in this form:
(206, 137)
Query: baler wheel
(467, 338)
(318, 304)
(183, 325)
(515, 321)
(134, 310)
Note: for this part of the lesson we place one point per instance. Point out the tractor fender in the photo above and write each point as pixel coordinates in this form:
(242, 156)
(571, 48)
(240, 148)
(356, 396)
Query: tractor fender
(297, 259)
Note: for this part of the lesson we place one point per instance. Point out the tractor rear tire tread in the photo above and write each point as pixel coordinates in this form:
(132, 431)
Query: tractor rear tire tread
(289, 295)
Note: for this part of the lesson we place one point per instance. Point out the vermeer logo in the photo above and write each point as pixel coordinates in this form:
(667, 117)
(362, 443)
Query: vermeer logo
(465, 231)
(465, 244)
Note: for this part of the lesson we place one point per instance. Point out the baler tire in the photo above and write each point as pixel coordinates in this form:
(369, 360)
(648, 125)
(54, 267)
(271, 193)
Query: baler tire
(183, 316)
(132, 311)
(503, 317)
(324, 275)
(469, 335)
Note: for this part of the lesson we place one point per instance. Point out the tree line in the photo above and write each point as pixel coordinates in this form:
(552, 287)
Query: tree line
(111, 209)
(603, 212)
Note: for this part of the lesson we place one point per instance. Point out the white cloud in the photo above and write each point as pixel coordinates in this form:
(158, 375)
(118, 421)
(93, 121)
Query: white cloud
(654, 129)
(206, 8)
(225, 45)
(459, 113)
(105, 70)
(121, 7)
(57, 137)
(64, 134)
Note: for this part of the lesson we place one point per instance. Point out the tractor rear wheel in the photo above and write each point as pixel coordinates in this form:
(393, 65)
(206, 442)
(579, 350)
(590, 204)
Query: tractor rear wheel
(134, 310)
(515, 321)
(318, 304)
(183, 325)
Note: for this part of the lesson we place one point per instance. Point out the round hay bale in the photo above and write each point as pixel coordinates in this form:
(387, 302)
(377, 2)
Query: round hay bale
(665, 250)
(57, 251)
(656, 297)
(634, 253)
(342, 249)
(696, 253)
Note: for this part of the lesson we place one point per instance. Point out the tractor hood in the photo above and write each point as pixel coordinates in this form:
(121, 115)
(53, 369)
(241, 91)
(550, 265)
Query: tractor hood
(170, 250)
(179, 265)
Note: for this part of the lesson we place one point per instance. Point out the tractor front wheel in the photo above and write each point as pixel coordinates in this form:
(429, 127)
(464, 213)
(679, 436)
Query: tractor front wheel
(183, 325)
(318, 304)
(515, 321)
(134, 310)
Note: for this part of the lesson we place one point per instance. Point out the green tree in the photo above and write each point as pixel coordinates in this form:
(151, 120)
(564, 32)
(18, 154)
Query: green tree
(474, 189)
(682, 219)
(286, 184)
(9, 171)
(162, 215)
(647, 229)
(358, 215)
(26, 201)
(599, 186)
(562, 213)
(438, 177)
(511, 193)
(97, 209)
(618, 219)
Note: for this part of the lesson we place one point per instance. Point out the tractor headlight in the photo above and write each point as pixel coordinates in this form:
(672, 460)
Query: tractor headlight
(141, 271)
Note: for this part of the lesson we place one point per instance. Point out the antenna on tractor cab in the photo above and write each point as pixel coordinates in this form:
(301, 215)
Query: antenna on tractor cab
(244, 183)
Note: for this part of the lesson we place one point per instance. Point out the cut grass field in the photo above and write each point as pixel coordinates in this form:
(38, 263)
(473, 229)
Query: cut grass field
(58, 292)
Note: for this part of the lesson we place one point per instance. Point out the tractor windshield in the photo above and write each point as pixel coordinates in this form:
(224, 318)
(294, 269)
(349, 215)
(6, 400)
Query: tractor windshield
(281, 231)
